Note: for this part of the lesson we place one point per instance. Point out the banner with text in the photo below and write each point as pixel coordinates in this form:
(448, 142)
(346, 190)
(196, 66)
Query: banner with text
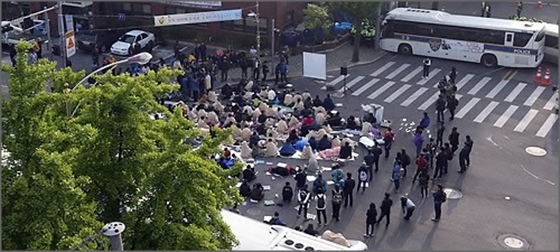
(198, 17)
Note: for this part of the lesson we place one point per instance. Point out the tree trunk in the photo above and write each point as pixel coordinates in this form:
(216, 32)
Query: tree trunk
(435, 5)
(357, 40)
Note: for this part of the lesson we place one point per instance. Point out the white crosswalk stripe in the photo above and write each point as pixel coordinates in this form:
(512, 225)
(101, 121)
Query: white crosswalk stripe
(397, 93)
(550, 103)
(534, 96)
(429, 102)
(550, 121)
(382, 69)
(414, 96)
(515, 92)
(464, 81)
(397, 72)
(526, 120)
(479, 85)
(381, 90)
(365, 87)
(480, 118)
(350, 84)
(465, 109)
(497, 89)
(430, 76)
(335, 81)
(412, 74)
(505, 116)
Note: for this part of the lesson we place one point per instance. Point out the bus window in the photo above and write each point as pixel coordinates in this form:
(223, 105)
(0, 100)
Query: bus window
(540, 36)
(551, 41)
(388, 30)
(521, 39)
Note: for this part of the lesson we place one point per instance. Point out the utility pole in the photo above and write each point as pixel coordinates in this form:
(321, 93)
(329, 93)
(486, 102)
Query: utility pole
(272, 42)
(257, 17)
(62, 35)
(49, 39)
(378, 29)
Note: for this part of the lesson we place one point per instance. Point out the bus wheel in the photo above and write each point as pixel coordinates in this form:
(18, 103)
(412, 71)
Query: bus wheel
(405, 49)
(489, 60)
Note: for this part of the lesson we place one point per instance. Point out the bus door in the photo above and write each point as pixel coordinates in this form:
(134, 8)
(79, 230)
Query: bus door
(509, 39)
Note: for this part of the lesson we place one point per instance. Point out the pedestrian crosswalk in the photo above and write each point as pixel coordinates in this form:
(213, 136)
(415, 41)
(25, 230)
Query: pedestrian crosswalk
(515, 105)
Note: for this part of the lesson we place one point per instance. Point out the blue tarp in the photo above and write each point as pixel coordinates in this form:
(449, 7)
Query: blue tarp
(301, 143)
(287, 150)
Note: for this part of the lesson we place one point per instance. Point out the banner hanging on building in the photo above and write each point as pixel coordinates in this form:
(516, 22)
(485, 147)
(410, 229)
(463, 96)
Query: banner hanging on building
(197, 4)
(198, 17)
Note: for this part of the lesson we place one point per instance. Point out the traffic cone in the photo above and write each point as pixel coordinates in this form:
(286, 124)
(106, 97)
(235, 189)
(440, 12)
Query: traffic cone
(538, 77)
(539, 4)
(546, 80)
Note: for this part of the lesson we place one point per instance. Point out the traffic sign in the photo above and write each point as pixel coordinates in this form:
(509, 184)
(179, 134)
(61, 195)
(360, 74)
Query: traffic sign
(70, 44)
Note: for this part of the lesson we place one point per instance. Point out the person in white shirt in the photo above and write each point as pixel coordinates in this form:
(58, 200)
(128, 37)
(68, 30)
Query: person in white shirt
(426, 71)
(407, 206)
(271, 95)
(321, 207)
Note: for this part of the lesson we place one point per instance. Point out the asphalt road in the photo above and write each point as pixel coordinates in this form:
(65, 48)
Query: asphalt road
(500, 166)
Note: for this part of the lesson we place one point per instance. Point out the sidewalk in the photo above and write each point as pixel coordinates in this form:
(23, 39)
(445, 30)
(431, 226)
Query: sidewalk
(336, 58)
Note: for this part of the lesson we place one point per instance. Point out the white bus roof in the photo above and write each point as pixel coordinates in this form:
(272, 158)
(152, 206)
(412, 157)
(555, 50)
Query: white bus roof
(551, 29)
(255, 235)
(440, 17)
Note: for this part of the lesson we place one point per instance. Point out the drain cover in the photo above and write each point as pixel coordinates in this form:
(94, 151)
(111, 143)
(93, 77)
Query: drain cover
(453, 193)
(253, 211)
(514, 242)
(535, 151)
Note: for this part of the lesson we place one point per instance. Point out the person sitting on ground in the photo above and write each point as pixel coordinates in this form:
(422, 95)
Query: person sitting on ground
(335, 142)
(257, 193)
(245, 189)
(313, 143)
(307, 151)
(310, 230)
(370, 118)
(334, 120)
(287, 150)
(249, 174)
(351, 123)
(328, 103)
(345, 151)
(317, 102)
(276, 220)
(293, 137)
(287, 192)
(282, 127)
(245, 150)
(324, 143)
(312, 164)
(254, 140)
(271, 149)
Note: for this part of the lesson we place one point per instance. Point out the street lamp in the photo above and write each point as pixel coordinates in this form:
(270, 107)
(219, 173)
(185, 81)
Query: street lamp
(141, 58)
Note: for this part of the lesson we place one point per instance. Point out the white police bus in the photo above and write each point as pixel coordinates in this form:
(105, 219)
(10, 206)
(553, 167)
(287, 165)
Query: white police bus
(551, 43)
(489, 41)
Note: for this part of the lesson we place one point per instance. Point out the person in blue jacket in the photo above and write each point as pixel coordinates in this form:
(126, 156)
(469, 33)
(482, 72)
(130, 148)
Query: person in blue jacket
(324, 144)
(328, 103)
(195, 87)
(185, 87)
(313, 143)
(425, 122)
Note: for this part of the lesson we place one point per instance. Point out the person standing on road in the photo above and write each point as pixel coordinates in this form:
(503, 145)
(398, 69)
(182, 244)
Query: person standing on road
(452, 104)
(441, 159)
(439, 135)
(362, 177)
(376, 152)
(407, 207)
(301, 179)
(454, 139)
(440, 107)
(423, 180)
(349, 185)
(283, 72)
(421, 165)
(369, 160)
(265, 71)
(13, 54)
(426, 70)
(224, 67)
(418, 140)
(336, 202)
(439, 198)
(388, 138)
(469, 143)
(95, 57)
(453, 75)
(519, 8)
(203, 51)
(463, 154)
(371, 217)
(243, 65)
(256, 69)
(385, 207)
(405, 160)
(277, 73)
(396, 175)
(303, 198)
(321, 207)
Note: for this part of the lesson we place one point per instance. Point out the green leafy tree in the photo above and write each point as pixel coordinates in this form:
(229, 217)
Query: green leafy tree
(359, 11)
(143, 174)
(43, 205)
(316, 15)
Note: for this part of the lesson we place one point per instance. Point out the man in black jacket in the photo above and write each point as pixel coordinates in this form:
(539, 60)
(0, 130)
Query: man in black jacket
(454, 139)
(349, 185)
(452, 104)
(469, 143)
(345, 151)
(287, 192)
(249, 174)
(439, 198)
(463, 154)
(439, 134)
(441, 161)
(301, 179)
(375, 153)
(440, 107)
(385, 207)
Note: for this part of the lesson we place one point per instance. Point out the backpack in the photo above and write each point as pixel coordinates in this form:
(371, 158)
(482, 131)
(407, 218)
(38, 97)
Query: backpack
(321, 202)
(303, 195)
(337, 197)
(363, 176)
(443, 197)
(317, 184)
(449, 154)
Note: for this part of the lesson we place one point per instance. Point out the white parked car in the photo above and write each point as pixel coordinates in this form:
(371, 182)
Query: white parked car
(129, 42)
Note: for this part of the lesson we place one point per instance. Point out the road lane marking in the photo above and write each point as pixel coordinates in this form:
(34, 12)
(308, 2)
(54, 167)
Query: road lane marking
(479, 85)
(515, 92)
(467, 107)
(412, 74)
(334, 82)
(414, 96)
(480, 118)
(534, 96)
(397, 72)
(350, 84)
(381, 90)
(397, 93)
(550, 121)
(429, 102)
(497, 89)
(505, 116)
(430, 76)
(365, 87)
(551, 102)
(382, 69)
(464, 81)
(526, 120)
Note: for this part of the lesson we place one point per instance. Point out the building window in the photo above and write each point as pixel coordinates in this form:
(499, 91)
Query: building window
(126, 6)
(147, 8)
